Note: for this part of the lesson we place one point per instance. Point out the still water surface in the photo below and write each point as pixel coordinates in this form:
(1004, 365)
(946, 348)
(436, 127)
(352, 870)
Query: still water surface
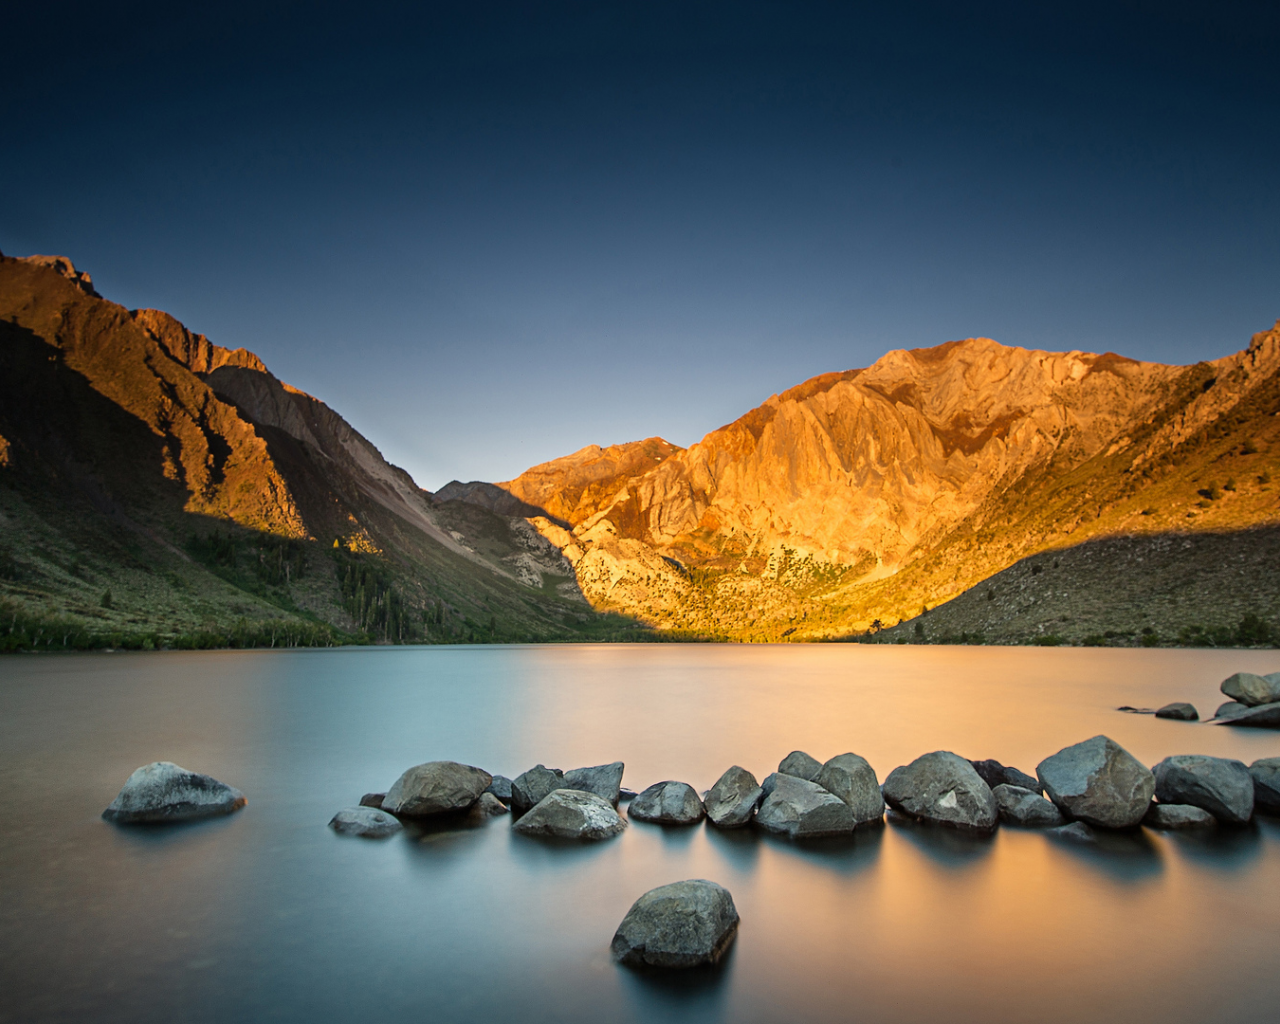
(269, 916)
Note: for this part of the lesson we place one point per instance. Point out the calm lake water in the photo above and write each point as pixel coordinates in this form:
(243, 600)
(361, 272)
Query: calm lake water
(267, 915)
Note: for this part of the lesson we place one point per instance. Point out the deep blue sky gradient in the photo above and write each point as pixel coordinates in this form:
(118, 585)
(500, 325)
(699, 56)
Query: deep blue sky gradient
(491, 233)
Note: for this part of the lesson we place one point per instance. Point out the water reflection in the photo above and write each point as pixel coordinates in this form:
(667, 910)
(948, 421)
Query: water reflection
(950, 848)
(1127, 855)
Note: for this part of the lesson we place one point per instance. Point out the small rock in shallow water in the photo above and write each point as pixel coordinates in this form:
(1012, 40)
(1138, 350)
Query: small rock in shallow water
(800, 765)
(1076, 832)
(942, 787)
(1179, 710)
(799, 809)
(1174, 816)
(1266, 784)
(993, 773)
(681, 925)
(365, 821)
(571, 814)
(501, 788)
(733, 799)
(163, 792)
(1099, 782)
(854, 781)
(373, 800)
(604, 780)
(668, 803)
(1221, 786)
(1021, 806)
(437, 787)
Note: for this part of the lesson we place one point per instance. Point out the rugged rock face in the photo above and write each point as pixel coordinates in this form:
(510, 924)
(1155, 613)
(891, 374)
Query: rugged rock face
(571, 814)
(943, 788)
(667, 803)
(604, 780)
(732, 801)
(529, 788)
(437, 787)
(684, 924)
(1098, 782)
(163, 792)
(1218, 785)
(800, 765)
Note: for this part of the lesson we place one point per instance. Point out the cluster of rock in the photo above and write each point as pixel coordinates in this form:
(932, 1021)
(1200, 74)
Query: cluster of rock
(1255, 701)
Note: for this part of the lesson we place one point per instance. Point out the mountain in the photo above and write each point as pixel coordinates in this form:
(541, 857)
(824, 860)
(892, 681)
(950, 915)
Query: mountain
(156, 488)
(858, 499)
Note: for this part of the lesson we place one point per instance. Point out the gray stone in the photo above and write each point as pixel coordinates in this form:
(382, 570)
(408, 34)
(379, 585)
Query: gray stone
(627, 794)
(732, 801)
(1261, 716)
(1021, 806)
(1252, 690)
(1076, 832)
(161, 792)
(993, 773)
(800, 765)
(1218, 785)
(1176, 816)
(667, 803)
(488, 806)
(942, 787)
(1230, 709)
(1180, 710)
(571, 814)
(373, 800)
(604, 780)
(437, 787)
(531, 787)
(365, 821)
(1266, 784)
(854, 781)
(501, 788)
(684, 924)
(1099, 782)
(800, 809)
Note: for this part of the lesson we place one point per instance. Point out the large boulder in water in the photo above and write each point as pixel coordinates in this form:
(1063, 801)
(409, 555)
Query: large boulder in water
(1260, 716)
(1098, 782)
(667, 803)
(942, 787)
(1253, 690)
(1218, 785)
(604, 780)
(531, 787)
(733, 799)
(1266, 784)
(571, 814)
(684, 924)
(368, 822)
(854, 781)
(1021, 806)
(799, 809)
(437, 787)
(800, 765)
(993, 773)
(161, 792)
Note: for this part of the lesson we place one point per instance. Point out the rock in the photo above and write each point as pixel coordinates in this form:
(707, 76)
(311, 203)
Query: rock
(488, 806)
(800, 765)
(1266, 784)
(1262, 716)
(1174, 816)
(1220, 786)
(733, 799)
(627, 794)
(161, 791)
(668, 803)
(531, 787)
(799, 809)
(571, 814)
(1179, 710)
(365, 821)
(1099, 782)
(373, 800)
(1021, 806)
(1252, 690)
(437, 787)
(501, 788)
(1076, 832)
(684, 924)
(604, 780)
(1230, 709)
(854, 781)
(993, 773)
(1129, 709)
(944, 788)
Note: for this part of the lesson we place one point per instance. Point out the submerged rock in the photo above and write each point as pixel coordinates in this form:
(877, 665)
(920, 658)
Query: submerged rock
(372, 800)
(365, 821)
(1253, 690)
(571, 814)
(993, 773)
(437, 787)
(732, 801)
(1099, 782)
(604, 780)
(944, 788)
(1266, 784)
(1076, 832)
(1180, 710)
(1218, 785)
(854, 781)
(800, 765)
(162, 791)
(501, 788)
(1021, 806)
(531, 787)
(1177, 816)
(668, 803)
(684, 924)
(1261, 716)
(799, 809)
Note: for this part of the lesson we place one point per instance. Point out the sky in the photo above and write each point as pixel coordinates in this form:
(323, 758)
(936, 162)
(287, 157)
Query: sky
(489, 234)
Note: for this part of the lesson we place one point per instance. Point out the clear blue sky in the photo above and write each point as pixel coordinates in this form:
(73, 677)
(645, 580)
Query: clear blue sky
(489, 233)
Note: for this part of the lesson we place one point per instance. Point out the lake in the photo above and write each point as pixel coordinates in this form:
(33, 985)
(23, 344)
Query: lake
(269, 916)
